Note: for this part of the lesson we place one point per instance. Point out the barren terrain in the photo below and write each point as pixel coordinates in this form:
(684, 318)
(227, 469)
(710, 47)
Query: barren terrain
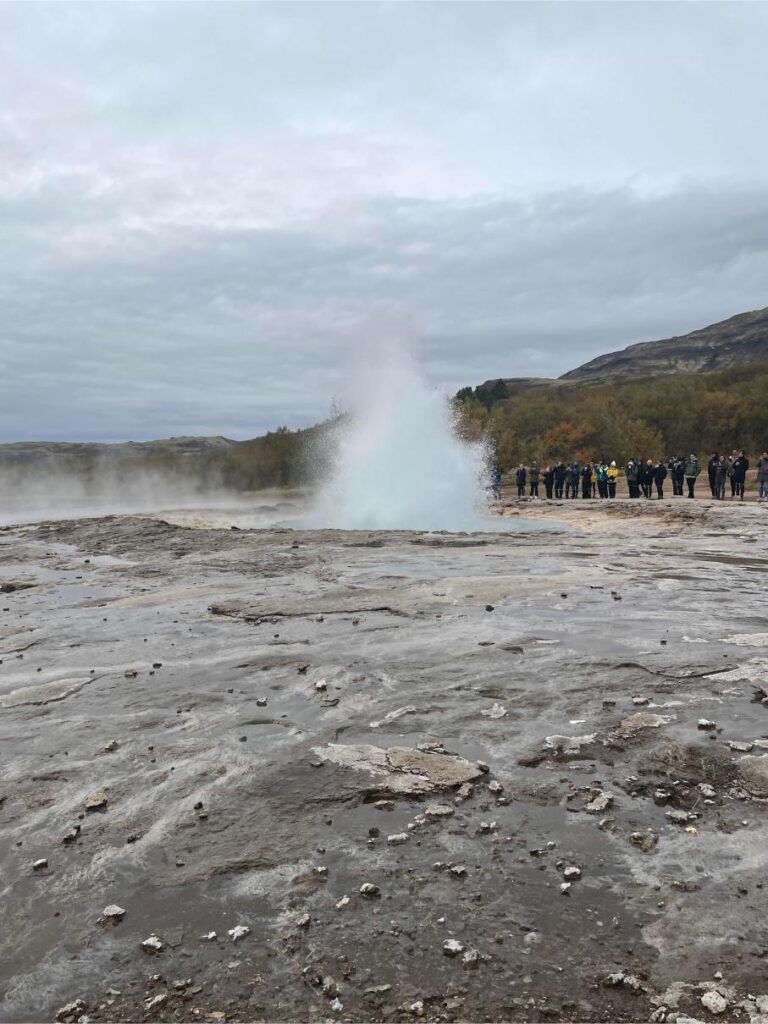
(431, 777)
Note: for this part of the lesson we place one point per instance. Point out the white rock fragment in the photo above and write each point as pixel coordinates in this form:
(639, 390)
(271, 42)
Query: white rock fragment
(343, 902)
(471, 959)
(458, 870)
(74, 1009)
(565, 888)
(495, 786)
(488, 826)
(571, 873)
(156, 1001)
(96, 801)
(438, 811)
(741, 746)
(452, 947)
(154, 944)
(417, 1008)
(209, 937)
(707, 724)
(714, 1002)
(496, 711)
(621, 978)
(113, 912)
(321, 686)
(336, 1005)
(369, 890)
(398, 838)
(40, 865)
(706, 790)
(599, 803)
(238, 932)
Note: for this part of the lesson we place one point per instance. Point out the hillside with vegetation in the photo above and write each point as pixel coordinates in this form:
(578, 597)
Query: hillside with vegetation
(651, 417)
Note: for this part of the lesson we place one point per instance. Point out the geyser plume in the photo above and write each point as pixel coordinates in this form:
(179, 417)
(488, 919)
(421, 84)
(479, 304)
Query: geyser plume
(396, 461)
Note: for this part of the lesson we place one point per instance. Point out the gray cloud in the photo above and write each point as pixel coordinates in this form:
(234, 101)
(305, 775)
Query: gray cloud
(204, 206)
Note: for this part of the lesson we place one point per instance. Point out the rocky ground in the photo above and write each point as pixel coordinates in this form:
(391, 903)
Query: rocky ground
(280, 775)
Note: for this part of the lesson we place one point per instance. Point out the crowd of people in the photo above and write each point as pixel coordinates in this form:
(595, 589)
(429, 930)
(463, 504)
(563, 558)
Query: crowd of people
(644, 476)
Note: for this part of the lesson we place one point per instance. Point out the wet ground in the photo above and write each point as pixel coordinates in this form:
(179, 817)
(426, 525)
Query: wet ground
(546, 753)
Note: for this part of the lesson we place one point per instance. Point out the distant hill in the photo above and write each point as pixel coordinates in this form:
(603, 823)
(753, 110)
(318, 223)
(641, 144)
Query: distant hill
(739, 341)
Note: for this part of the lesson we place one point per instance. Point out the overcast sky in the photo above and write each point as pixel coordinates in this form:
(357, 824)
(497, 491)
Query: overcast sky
(204, 207)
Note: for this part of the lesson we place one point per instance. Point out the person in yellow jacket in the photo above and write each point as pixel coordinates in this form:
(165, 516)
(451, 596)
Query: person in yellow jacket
(613, 474)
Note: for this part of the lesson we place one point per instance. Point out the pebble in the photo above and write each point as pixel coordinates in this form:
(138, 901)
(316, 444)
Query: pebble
(156, 1001)
(452, 947)
(740, 746)
(599, 804)
(209, 937)
(74, 1009)
(495, 786)
(572, 873)
(706, 724)
(471, 959)
(438, 811)
(154, 944)
(238, 932)
(261, 702)
(96, 801)
(565, 888)
(304, 921)
(40, 865)
(111, 747)
(458, 871)
(113, 912)
(397, 838)
(369, 889)
(321, 686)
(488, 826)
(337, 1005)
(706, 790)
(72, 835)
(343, 902)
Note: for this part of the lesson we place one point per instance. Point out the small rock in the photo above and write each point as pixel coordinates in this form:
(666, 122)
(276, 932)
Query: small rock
(111, 747)
(495, 786)
(487, 826)
(740, 746)
(343, 902)
(417, 1008)
(336, 1005)
(599, 803)
(398, 838)
(322, 871)
(154, 944)
(706, 724)
(238, 932)
(113, 912)
(96, 801)
(641, 701)
(439, 811)
(304, 921)
(384, 805)
(71, 1011)
(714, 1002)
(321, 686)
(261, 702)
(571, 873)
(208, 937)
(458, 871)
(706, 790)
(72, 835)
(156, 1001)
(680, 817)
(131, 673)
(532, 939)
(369, 890)
(330, 986)
(471, 959)
(646, 841)
(622, 979)
(565, 888)
(452, 947)
(40, 865)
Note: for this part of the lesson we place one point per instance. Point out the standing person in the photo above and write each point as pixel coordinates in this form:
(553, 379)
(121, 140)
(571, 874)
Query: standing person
(675, 467)
(594, 481)
(586, 481)
(721, 476)
(560, 474)
(496, 484)
(549, 480)
(632, 479)
(520, 477)
(712, 465)
(762, 477)
(692, 470)
(731, 460)
(571, 481)
(602, 479)
(740, 467)
(613, 476)
(647, 480)
(533, 477)
(659, 476)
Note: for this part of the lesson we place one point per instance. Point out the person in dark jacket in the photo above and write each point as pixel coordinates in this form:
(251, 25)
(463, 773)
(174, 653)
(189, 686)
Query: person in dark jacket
(586, 481)
(533, 477)
(631, 472)
(692, 470)
(645, 478)
(549, 480)
(740, 467)
(729, 463)
(602, 479)
(676, 471)
(712, 465)
(560, 473)
(520, 477)
(762, 477)
(659, 476)
(721, 478)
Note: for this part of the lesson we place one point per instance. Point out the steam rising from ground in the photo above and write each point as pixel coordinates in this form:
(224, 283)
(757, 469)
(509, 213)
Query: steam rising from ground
(396, 462)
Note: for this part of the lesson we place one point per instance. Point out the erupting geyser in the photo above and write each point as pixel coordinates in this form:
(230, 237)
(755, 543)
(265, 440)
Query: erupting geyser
(397, 462)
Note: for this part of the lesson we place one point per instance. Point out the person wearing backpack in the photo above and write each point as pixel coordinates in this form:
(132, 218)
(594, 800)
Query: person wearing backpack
(659, 476)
